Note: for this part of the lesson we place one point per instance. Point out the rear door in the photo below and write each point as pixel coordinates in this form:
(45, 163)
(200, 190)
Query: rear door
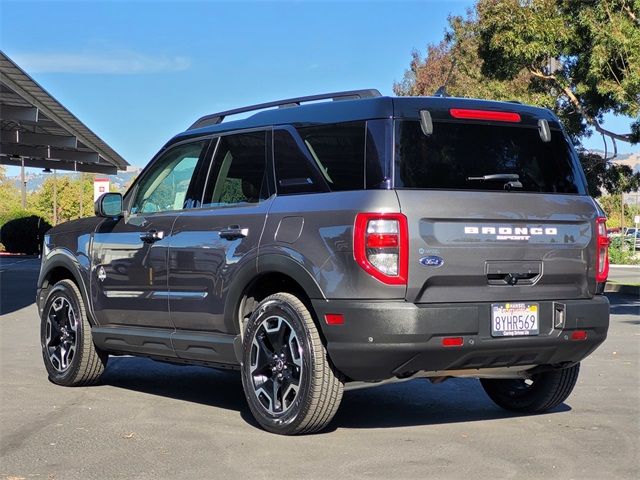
(210, 245)
(495, 212)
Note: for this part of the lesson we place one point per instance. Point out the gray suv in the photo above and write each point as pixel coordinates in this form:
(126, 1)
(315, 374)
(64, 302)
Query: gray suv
(322, 245)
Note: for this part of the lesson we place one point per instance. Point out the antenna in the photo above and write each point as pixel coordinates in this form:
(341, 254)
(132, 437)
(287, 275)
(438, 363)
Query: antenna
(442, 91)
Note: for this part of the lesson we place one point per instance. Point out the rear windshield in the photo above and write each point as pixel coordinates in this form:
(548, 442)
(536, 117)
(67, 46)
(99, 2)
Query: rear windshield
(459, 156)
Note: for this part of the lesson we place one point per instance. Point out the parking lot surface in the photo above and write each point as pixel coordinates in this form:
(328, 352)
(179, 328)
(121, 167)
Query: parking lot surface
(149, 420)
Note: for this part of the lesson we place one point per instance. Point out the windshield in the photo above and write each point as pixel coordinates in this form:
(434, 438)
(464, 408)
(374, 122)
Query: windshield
(474, 156)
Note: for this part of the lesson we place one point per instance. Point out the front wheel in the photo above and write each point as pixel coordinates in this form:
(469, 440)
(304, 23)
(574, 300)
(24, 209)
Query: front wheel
(69, 355)
(541, 393)
(289, 383)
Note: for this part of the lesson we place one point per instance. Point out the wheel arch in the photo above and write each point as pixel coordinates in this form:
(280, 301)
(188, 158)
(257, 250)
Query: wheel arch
(271, 274)
(58, 266)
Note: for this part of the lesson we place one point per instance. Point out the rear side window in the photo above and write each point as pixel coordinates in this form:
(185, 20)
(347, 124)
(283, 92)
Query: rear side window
(458, 155)
(320, 158)
(238, 171)
(338, 151)
(296, 171)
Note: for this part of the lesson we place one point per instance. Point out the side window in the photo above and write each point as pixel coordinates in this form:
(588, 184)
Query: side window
(238, 174)
(338, 151)
(295, 169)
(165, 186)
(378, 154)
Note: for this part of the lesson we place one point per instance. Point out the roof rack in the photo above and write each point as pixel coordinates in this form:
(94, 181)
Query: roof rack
(216, 118)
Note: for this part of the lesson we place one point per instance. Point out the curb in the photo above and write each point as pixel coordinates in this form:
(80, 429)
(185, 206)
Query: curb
(624, 266)
(624, 289)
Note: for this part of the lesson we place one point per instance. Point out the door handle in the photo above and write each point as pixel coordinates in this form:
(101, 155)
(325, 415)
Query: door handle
(152, 236)
(233, 232)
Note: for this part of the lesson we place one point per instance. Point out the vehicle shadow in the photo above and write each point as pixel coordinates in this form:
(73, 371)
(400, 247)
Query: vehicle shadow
(621, 304)
(18, 279)
(413, 403)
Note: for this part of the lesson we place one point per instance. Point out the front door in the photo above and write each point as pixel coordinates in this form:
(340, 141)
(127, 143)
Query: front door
(210, 245)
(129, 282)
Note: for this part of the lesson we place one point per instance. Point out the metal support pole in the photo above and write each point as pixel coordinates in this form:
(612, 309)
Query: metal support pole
(55, 199)
(23, 185)
(81, 213)
(622, 213)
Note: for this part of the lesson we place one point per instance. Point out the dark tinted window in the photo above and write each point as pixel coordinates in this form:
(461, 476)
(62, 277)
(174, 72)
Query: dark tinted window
(338, 151)
(456, 151)
(378, 150)
(295, 169)
(238, 173)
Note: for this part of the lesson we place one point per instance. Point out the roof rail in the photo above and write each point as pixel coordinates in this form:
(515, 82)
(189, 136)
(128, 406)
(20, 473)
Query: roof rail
(215, 118)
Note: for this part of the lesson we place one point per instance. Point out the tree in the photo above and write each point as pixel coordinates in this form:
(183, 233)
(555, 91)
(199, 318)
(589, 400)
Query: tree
(9, 196)
(68, 191)
(580, 58)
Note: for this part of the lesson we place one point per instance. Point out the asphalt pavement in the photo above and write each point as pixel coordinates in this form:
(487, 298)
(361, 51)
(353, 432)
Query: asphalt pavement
(625, 274)
(149, 420)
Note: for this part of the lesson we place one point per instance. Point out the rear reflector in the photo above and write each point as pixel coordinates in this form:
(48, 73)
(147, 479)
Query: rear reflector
(334, 318)
(579, 335)
(485, 115)
(452, 342)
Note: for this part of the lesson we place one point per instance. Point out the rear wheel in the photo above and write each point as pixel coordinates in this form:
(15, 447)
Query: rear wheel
(542, 392)
(289, 383)
(69, 355)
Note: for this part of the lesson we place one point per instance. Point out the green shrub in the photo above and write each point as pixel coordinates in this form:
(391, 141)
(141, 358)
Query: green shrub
(621, 252)
(23, 234)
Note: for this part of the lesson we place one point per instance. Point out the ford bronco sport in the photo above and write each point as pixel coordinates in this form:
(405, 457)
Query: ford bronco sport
(325, 245)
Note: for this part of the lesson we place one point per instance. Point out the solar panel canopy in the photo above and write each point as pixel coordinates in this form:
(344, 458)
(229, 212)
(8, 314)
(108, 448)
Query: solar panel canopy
(38, 131)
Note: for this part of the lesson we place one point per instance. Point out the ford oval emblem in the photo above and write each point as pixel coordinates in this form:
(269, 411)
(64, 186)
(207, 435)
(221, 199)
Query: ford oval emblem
(432, 261)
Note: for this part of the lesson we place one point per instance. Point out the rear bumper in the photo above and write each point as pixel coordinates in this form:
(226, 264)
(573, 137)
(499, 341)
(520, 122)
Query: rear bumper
(381, 340)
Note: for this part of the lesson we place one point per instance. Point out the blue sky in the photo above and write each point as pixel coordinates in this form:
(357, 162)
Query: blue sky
(137, 72)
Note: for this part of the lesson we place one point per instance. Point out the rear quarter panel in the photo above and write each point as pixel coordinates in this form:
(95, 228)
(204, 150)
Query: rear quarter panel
(316, 231)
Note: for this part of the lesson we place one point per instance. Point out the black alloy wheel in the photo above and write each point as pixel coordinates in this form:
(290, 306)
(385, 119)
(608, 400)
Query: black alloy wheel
(276, 364)
(61, 333)
(68, 351)
(290, 385)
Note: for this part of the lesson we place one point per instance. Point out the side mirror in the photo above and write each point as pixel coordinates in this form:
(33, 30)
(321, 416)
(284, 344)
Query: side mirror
(109, 205)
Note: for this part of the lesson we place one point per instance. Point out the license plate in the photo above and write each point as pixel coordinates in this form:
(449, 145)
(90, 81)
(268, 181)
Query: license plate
(514, 319)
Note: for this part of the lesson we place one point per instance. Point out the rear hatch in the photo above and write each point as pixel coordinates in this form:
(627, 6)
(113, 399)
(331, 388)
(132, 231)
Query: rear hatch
(496, 206)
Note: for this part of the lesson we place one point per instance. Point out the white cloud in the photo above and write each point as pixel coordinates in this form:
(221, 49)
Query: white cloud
(120, 63)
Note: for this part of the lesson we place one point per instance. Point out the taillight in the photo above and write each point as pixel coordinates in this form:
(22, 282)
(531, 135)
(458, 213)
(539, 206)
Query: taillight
(380, 246)
(602, 253)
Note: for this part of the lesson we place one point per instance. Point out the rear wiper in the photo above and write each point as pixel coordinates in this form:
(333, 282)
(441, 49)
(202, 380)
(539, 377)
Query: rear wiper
(512, 180)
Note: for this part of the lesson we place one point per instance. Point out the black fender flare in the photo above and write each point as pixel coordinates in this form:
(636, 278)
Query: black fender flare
(266, 263)
(63, 258)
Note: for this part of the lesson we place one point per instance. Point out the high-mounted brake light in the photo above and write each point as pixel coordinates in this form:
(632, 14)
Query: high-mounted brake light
(380, 246)
(602, 252)
(485, 115)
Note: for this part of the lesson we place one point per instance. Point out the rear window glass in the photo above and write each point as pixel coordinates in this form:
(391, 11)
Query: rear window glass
(458, 155)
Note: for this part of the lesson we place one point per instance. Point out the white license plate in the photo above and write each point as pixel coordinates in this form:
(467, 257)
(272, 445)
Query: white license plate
(513, 319)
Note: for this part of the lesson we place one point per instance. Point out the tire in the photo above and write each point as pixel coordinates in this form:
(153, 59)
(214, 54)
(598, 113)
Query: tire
(544, 392)
(69, 355)
(289, 383)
